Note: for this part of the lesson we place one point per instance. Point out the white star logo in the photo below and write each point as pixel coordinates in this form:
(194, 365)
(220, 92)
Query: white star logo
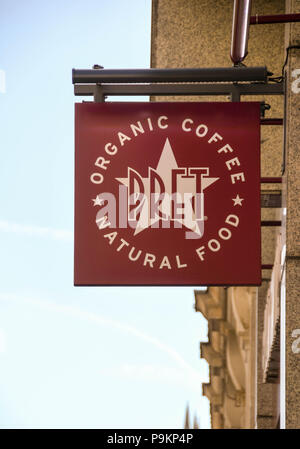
(186, 188)
(237, 201)
(98, 201)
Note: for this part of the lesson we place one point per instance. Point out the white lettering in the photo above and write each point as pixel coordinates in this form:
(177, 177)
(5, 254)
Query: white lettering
(137, 128)
(165, 263)
(225, 149)
(122, 138)
(198, 132)
(150, 124)
(214, 245)
(201, 251)
(160, 125)
(184, 124)
(150, 259)
(232, 162)
(224, 233)
(111, 237)
(180, 265)
(134, 258)
(96, 178)
(124, 243)
(101, 162)
(111, 151)
(237, 177)
(215, 137)
(233, 220)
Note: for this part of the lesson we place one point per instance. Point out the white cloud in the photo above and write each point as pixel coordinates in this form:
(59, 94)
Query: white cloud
(56, 234)
(186, 368)
(160, 373)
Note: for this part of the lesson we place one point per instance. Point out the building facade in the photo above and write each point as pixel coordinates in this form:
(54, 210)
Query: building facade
(252, 349)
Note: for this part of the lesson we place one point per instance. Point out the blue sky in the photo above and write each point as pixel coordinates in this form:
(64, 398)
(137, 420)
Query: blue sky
(76, 357)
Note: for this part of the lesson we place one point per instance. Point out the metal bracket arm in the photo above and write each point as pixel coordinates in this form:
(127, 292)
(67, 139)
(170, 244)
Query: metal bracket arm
(233, 90)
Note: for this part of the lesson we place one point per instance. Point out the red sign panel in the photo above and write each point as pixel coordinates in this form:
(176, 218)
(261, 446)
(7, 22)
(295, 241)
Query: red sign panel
(167, 194)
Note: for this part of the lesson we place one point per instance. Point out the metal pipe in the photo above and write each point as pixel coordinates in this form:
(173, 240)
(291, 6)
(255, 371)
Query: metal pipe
(278, 18)
(271, 180)
(181, 89)
(219, 74)
(270, 223)
(240, 30)
(271, 121)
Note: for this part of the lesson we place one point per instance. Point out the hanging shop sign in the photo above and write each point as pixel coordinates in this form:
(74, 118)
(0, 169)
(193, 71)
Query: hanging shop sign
(167, 194)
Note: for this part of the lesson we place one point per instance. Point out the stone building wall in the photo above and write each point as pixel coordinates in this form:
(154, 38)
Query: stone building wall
(197, 33)
(290, 306)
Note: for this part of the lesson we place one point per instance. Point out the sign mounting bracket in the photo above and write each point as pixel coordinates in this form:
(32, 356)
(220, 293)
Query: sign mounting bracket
(233, 90)
(229, 81)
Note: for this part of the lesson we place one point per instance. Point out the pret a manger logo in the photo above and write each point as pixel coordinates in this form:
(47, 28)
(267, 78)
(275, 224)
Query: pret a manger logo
(170, 196)
(167, 194)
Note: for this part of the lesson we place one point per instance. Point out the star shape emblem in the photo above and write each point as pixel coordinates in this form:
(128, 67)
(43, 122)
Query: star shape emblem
(237, 201)
(186, 186)
(97, 201)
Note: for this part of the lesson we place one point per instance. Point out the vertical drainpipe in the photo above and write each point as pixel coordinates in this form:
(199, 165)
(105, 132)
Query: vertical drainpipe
(240, 30)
